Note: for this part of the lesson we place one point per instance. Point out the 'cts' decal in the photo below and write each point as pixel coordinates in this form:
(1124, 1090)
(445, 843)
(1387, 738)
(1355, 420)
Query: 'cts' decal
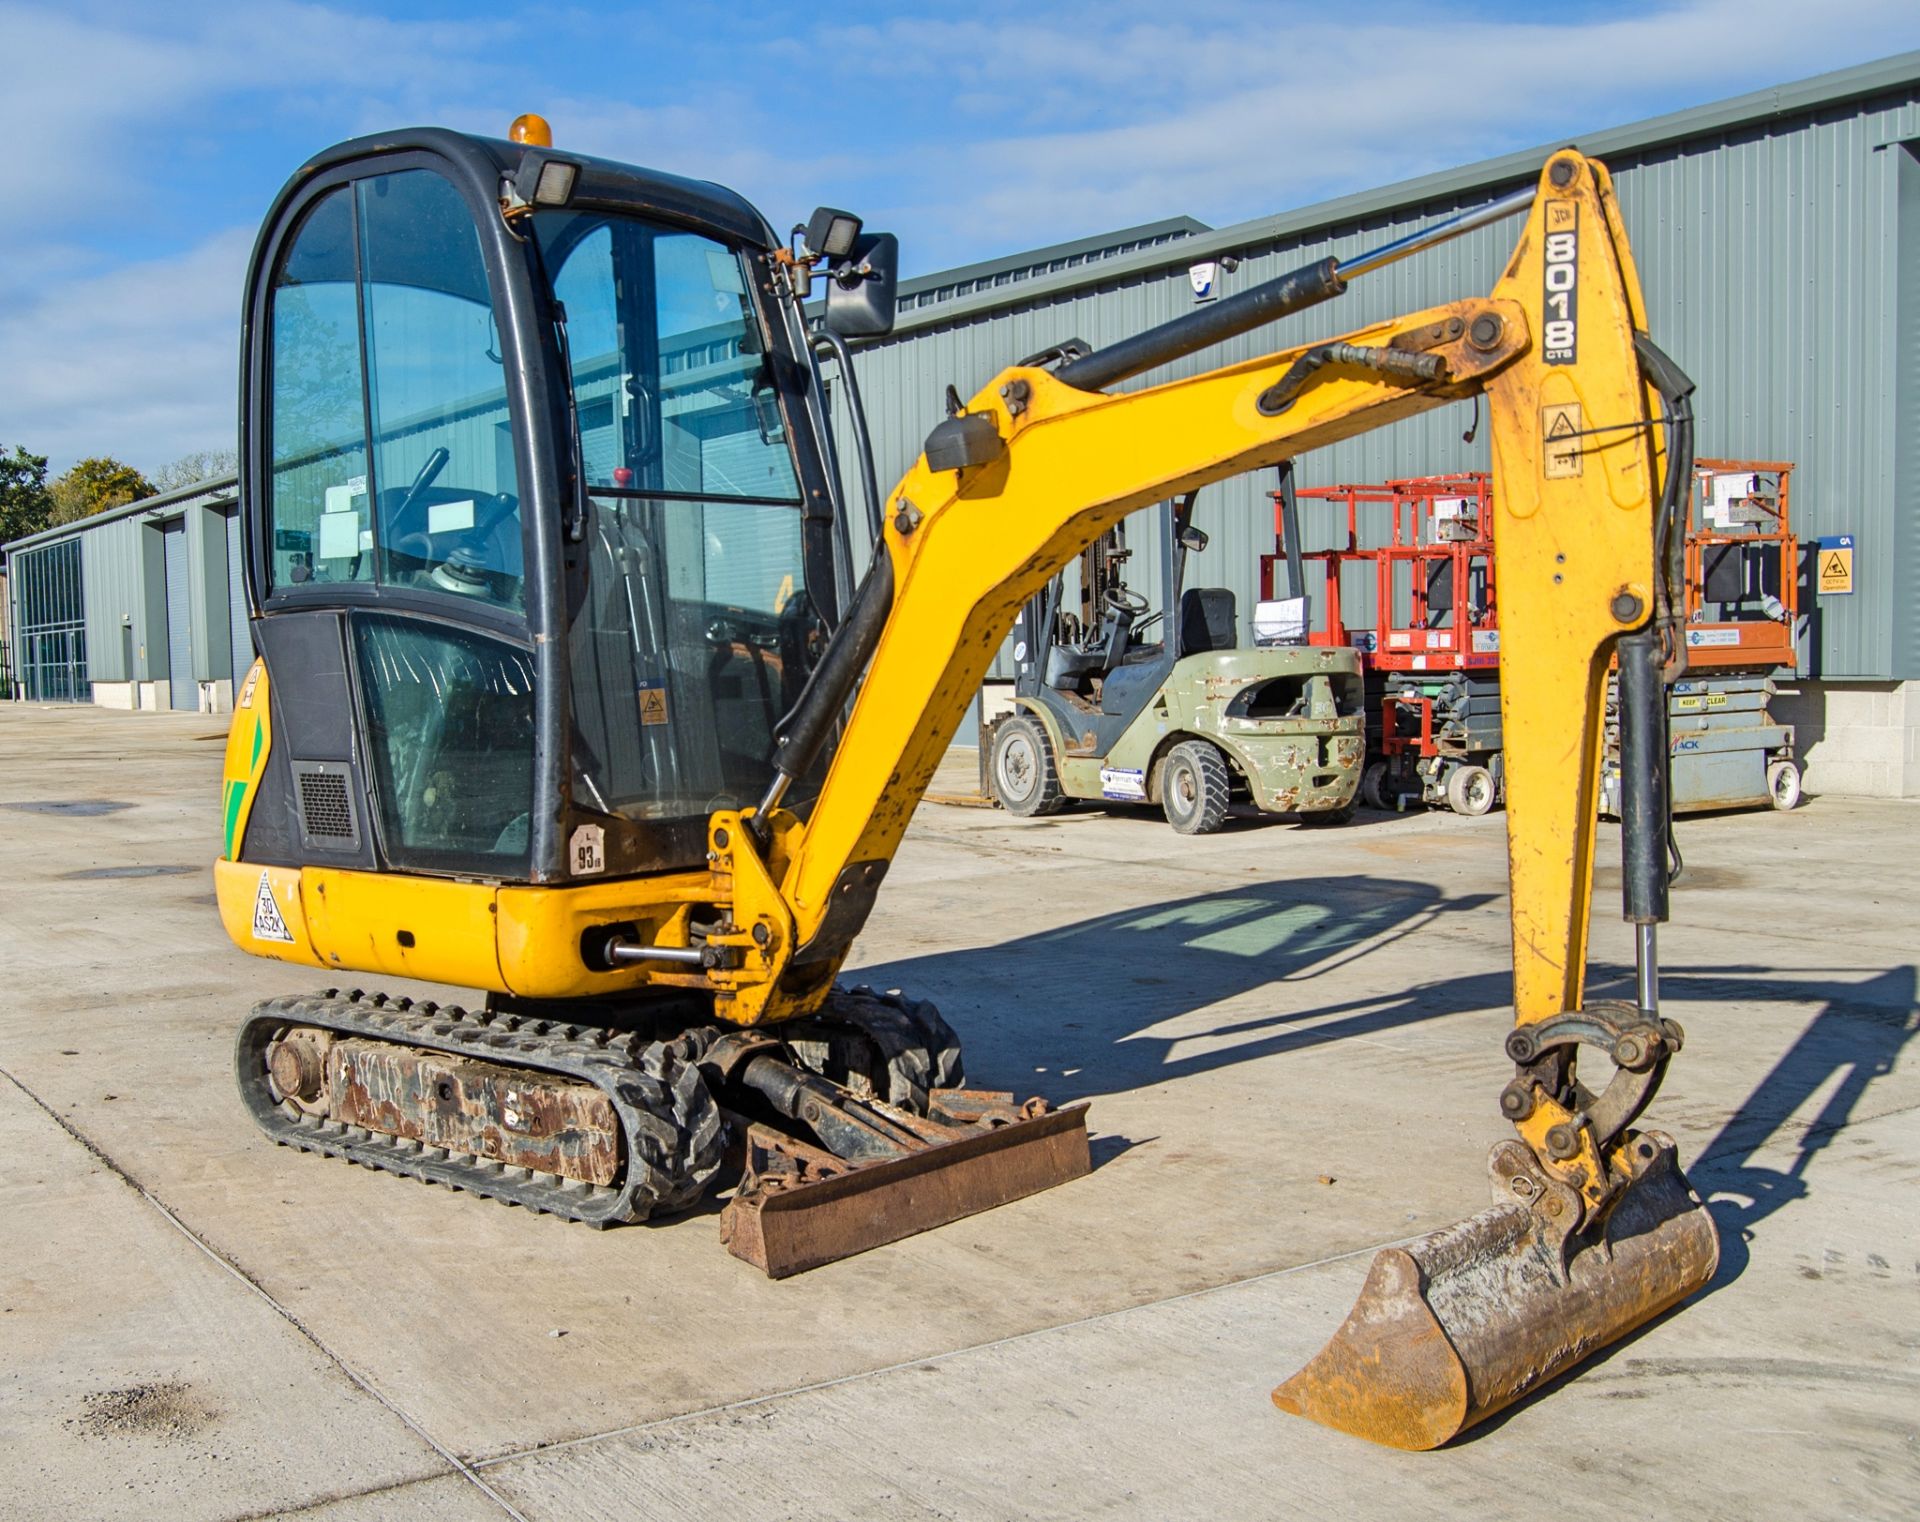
(1561, 340)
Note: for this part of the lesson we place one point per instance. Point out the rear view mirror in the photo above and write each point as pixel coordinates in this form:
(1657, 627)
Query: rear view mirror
(860, 287)
(1192, 539)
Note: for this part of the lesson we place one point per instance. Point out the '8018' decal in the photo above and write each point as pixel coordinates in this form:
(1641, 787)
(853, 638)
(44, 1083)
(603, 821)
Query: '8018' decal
(1560, 342)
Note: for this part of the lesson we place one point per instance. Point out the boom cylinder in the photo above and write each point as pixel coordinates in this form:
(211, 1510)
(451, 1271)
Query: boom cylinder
(1643, 803)
(1201, 329)
(1270, 301)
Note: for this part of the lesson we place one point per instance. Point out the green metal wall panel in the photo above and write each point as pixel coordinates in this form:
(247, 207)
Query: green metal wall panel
(1906, 446)
(1770, 251)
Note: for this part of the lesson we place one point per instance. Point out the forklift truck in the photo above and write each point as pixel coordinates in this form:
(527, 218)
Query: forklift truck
(1117, 701)
(1431, 658)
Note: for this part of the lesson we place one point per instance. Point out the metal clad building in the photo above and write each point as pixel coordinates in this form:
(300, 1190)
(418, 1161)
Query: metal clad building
(1778, 239)
(133, 607)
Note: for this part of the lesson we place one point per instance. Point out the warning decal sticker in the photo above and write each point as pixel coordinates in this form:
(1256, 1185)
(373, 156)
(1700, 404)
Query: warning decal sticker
(1560, 430)
(587, 851)
(268, 924)
(653, 702)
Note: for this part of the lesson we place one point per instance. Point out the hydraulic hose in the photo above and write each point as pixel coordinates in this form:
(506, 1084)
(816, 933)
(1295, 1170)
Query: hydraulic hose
(806, 727)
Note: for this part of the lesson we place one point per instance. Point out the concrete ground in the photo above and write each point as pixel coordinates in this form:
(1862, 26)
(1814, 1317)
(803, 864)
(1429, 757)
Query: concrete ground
(1291, 1042)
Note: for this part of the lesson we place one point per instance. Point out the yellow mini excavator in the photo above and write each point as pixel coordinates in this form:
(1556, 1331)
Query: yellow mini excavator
(565, 696)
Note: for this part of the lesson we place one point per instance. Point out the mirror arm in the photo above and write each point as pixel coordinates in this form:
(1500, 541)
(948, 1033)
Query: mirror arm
(827, 339)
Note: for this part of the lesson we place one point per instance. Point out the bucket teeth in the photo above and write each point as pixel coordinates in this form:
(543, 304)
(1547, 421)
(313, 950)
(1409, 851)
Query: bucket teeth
(1460, 1324)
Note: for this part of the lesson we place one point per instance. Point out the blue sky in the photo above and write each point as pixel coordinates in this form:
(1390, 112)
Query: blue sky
(149, 138)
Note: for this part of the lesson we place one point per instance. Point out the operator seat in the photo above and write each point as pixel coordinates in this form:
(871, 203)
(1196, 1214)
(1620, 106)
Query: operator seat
(1439, 593)
(1209, 620)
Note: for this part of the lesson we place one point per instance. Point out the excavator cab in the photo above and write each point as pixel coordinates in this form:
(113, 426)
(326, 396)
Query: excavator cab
(540, 510)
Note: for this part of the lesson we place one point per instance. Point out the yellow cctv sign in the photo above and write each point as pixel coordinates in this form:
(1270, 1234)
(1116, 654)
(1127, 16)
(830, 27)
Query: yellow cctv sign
(1833, 565)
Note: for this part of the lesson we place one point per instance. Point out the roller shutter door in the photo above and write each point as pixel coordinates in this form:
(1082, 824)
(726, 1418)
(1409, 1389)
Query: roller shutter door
(184, 693)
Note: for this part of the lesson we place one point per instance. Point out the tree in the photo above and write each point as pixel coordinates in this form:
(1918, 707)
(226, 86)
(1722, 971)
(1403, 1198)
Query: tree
(25, 504)
(93, 486)
(190, 469)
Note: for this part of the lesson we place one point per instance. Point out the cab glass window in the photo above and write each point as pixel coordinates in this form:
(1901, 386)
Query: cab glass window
(450, 736)
(674, 387)
(447, 517)
(318, 510)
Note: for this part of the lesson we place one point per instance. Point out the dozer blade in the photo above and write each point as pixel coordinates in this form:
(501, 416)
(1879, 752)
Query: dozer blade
(1464, 1322)
(799, 1207)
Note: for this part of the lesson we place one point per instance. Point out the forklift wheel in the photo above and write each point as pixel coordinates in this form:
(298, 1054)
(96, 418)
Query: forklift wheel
(1470, 791)
(1022, 770)
(1783, 783)
(1373, 786)
(1194, 787)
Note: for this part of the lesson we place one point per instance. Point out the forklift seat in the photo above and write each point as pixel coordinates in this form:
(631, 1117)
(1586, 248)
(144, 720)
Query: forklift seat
(1209, 620)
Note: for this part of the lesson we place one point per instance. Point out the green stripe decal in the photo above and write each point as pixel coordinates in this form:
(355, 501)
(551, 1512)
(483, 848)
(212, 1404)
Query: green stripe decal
(236, 792)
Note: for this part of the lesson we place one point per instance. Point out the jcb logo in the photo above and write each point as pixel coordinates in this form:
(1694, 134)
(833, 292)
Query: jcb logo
(1560, 341)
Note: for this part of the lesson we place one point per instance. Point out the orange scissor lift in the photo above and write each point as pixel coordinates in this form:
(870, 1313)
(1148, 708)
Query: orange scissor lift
(1426, 626)
(1419, 604)
(1742, 601)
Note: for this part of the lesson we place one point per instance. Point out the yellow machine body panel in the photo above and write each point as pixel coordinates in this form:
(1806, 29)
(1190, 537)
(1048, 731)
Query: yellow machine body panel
(249, 738)
(500, 938)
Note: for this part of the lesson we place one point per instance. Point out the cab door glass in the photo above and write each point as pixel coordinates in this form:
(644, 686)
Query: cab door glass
(695, 637)
(447, 511)
(321, 530)
(450, 737)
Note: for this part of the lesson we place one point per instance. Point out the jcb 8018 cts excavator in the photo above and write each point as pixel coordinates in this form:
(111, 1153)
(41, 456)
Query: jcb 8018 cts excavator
(556, 701)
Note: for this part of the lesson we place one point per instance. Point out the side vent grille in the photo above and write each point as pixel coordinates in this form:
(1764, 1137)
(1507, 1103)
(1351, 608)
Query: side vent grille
(327, 819)
(324, 806)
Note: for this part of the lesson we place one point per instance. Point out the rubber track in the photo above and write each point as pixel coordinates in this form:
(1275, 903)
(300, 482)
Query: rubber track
(670, 1125)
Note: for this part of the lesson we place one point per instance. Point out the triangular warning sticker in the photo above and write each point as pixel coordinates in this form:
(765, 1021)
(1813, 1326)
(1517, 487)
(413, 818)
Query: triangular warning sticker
(267, 922)
(1835, 567)
(1561, 426)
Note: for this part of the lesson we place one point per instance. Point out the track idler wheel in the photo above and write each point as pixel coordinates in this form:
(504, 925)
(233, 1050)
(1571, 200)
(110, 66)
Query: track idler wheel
(1460, 1324)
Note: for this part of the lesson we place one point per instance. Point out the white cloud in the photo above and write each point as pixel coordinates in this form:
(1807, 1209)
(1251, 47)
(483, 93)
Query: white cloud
(1100, 116)
(104, 95)
(140, 362)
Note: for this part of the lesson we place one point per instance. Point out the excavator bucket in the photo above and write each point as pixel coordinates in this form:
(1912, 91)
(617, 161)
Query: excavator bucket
(1456, 1326)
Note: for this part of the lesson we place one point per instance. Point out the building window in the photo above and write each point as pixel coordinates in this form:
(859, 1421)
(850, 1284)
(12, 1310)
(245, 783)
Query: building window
(52, 635)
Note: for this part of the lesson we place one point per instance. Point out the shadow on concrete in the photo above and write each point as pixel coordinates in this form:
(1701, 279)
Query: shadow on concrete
(1078, 1008)
(1242, 816)
(1099, 1006)
(1856, 1037)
